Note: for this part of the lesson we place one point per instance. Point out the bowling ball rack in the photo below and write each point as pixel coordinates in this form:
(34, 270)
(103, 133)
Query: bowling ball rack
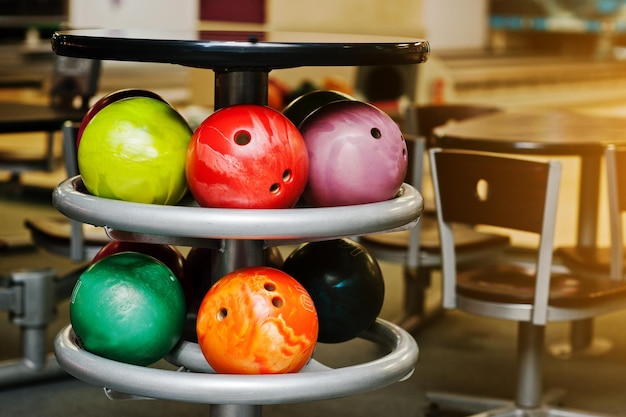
(241, 62)
(198, 383)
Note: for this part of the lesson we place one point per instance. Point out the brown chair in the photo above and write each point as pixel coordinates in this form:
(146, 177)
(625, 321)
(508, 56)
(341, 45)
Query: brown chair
(605, 262)
(598, 262)
(418, 249)
(74, 81)
(521, 195)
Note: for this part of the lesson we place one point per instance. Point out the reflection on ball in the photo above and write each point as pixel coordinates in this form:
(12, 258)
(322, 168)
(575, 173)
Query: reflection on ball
(357, 154)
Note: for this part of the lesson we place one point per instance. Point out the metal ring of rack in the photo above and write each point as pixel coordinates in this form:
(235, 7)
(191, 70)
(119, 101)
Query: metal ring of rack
(314, 382)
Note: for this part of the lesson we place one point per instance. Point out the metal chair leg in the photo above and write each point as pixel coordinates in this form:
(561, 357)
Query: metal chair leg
(31, 299)
(415, 314)
(529, 401)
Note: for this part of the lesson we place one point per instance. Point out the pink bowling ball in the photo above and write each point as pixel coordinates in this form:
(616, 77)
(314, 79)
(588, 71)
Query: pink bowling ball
(357, 155)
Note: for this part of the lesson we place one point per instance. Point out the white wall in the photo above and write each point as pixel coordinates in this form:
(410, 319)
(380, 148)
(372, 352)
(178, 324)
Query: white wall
(138, 14)
(446, 24)
(170, 81)
(374, 17)
(455, 24)
(371, 17)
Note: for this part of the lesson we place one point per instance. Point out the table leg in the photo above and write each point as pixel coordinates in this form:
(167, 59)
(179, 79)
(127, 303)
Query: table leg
(237, 410)
(581, 342)
(581, 339)
(588, 199)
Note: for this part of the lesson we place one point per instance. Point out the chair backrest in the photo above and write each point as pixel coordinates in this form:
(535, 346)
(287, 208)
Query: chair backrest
(416, 146)
(420, 121)
(78, 248)
(74, 82)
(70, 138)
(496, 190)
(615, 161)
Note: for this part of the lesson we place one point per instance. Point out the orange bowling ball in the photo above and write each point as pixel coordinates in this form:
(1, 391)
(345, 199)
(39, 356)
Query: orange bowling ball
(257, 320)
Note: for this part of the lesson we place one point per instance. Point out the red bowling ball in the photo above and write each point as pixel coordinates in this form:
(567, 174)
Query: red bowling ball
(357, 155)
(247, 156)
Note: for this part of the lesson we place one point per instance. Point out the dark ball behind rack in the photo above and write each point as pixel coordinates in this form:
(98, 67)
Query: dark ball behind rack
(345, 283)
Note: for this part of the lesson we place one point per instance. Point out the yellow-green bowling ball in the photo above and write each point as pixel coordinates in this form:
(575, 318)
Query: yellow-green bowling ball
(134, 149)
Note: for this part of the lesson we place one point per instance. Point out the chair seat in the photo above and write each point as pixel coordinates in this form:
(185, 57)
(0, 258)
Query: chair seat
(54, 234)
(515, 284)
(466, 238)
(393, 247)
(590, 259)
(60, 228)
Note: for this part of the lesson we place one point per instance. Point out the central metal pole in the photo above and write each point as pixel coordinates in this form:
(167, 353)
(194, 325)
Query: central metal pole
(235, 254)
(229, 410)
(240, 87)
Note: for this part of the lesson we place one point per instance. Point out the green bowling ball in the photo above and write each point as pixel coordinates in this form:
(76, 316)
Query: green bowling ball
(128, 307)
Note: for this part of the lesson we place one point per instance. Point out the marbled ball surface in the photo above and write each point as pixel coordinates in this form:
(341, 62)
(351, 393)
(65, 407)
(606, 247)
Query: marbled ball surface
(357, 155)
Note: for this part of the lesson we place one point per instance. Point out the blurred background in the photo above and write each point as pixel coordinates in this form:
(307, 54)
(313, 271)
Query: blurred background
(510, 53)
(515, 54)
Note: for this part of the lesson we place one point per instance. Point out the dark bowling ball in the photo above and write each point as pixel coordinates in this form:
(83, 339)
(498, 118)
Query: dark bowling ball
(300, 108)
(345, 283)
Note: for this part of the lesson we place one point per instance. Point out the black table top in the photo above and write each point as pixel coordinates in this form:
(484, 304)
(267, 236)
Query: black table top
(240, 50)
(547, 132)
